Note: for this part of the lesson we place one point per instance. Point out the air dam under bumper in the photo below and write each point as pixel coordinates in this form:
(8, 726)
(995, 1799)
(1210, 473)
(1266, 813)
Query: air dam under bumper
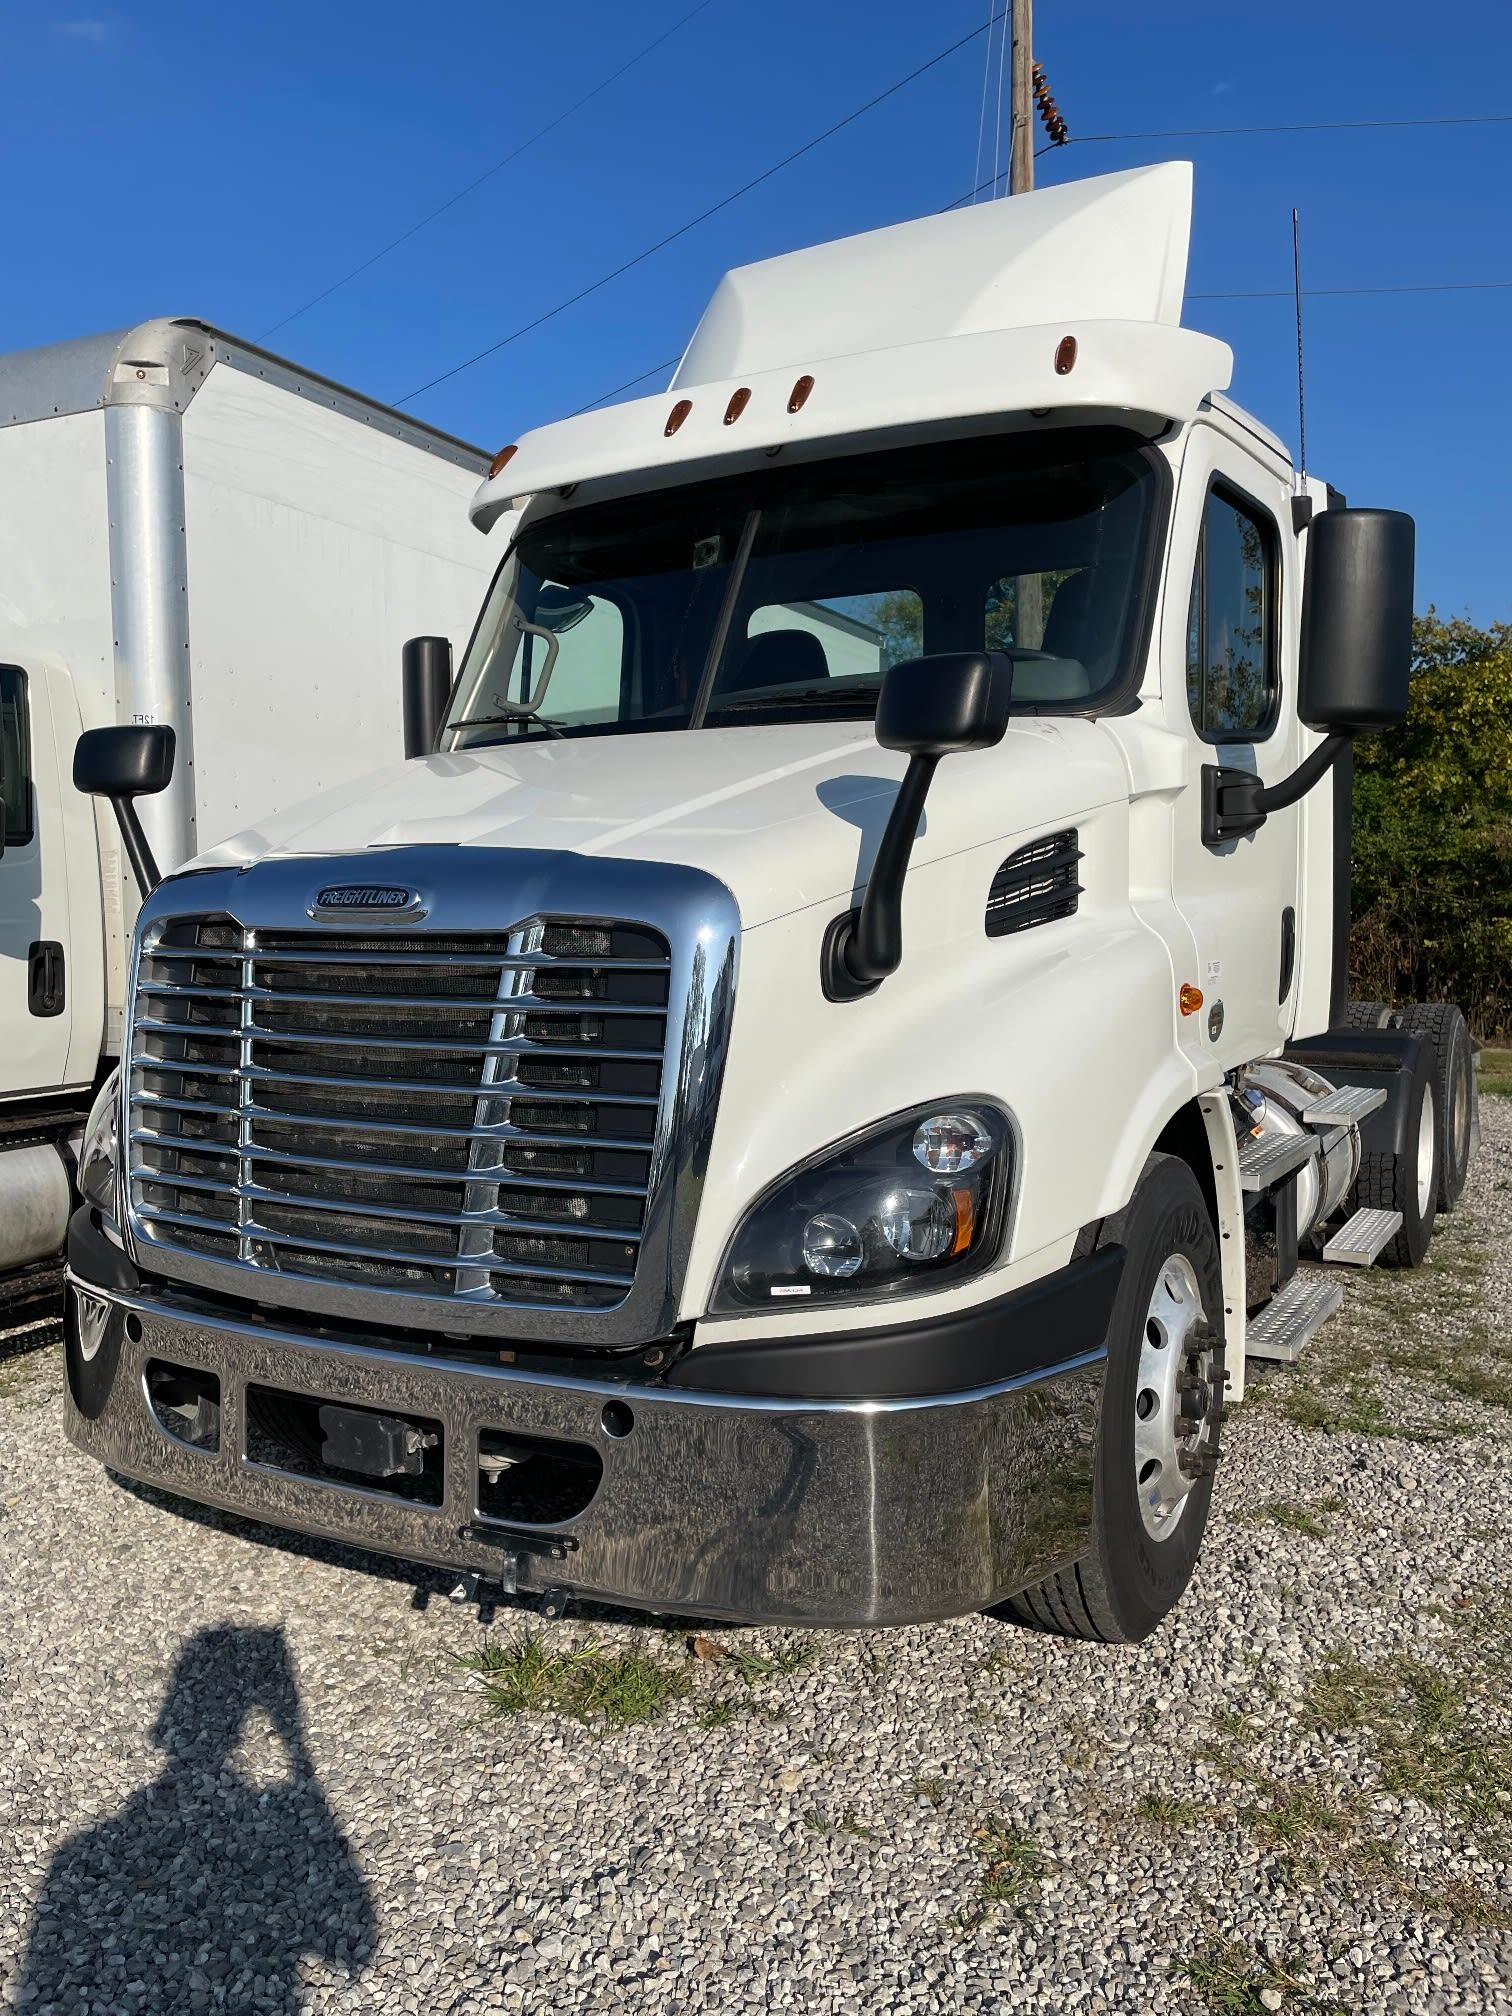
(769, 1510)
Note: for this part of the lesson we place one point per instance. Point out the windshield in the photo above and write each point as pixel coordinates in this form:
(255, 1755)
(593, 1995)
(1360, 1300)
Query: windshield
(785, 596)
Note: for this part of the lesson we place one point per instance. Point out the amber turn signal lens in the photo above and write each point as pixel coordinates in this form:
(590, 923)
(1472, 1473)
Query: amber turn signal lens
(800, 392)
(677, 416)
(1065, 355)
(1190, 998)
(739, 401)
(503, 456)
(965, 1220)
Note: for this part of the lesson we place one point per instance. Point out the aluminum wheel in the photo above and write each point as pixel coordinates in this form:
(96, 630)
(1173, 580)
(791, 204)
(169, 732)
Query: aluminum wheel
(1427, 1170)
(1173, 1398)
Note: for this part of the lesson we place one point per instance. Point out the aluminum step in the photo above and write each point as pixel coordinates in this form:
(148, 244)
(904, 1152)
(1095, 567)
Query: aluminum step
(1287, 1324)
(1264, 1163)
(1346, 1104)
(1359, 1241)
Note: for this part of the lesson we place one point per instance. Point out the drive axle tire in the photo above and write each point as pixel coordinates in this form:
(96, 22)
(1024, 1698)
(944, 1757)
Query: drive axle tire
(1157, 1438)
(1407, 1182)
(1443, 1031)
(1367, 1015)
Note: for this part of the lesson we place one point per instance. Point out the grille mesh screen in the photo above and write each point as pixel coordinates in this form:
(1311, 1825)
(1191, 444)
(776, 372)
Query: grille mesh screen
(446, 1115)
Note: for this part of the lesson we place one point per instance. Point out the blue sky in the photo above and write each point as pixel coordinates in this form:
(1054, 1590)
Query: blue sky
(231, 163)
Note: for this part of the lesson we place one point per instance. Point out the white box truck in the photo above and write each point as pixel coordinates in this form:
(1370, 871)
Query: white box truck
(197, 533)
(798, 1097)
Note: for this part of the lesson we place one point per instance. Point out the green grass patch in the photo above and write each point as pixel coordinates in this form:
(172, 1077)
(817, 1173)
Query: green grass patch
(1496, 1071)
(756, 1666)
(1232, 1980)
(1300, 1518)
(1161, 1809)
(1012, 1861)
(588, 1683)
(1287, 1818)
(1441, 1734)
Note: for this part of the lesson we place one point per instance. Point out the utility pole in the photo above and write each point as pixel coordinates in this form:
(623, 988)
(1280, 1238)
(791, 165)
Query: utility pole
(1028, 589)
(1021, 134)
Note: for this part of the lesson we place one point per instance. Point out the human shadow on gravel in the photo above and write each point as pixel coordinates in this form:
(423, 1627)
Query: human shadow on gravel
(213, 1883)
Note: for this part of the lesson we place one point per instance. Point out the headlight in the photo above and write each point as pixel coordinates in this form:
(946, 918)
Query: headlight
(907, 1205)
(99, 1151)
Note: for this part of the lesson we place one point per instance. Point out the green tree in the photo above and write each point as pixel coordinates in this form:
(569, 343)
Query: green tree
(1433, 832)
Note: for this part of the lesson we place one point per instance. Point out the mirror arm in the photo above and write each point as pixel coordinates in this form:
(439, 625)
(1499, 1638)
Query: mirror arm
(1235, 802)
(134, 840)
(863, 946)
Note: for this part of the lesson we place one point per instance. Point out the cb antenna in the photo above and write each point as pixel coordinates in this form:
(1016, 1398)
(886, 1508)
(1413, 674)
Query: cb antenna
(1301, 375)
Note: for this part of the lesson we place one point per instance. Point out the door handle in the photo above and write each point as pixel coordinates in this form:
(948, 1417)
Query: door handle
(44, 977)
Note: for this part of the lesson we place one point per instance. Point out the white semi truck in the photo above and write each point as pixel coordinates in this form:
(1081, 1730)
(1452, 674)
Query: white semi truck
(798, 1097)
(200, 534)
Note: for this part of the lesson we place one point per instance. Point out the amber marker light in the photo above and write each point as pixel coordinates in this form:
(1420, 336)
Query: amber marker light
(800, 392)
(504, 455)
(677, 416)
(739, 400)
(1190, 998)
(1065, 356)
(965, 1220)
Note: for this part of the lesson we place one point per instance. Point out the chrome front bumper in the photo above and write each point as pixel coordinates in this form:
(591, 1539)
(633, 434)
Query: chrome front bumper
(814, 1511)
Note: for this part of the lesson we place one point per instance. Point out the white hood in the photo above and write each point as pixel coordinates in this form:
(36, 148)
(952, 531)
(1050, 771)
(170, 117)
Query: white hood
(786, 816)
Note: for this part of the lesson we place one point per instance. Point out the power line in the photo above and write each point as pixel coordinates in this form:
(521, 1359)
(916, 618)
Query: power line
(703, 216)
(1312, 293)
(1300, 126)
(640, 378)
(478, 180)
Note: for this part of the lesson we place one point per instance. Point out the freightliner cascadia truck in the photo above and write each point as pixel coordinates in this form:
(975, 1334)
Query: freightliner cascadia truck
(798, 1096)
(199, 535)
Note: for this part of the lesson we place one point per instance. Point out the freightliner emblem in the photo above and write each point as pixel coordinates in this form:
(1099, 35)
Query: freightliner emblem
(367, 899)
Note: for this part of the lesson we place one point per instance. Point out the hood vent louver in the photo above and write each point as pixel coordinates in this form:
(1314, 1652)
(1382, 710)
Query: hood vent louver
(1037, 884)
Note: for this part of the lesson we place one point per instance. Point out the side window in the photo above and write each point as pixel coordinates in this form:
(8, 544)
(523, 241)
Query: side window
(590, 634)
(15, 757)
(1231, 623)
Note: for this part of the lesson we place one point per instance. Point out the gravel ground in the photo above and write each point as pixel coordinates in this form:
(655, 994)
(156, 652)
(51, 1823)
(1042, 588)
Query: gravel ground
(245, 1773)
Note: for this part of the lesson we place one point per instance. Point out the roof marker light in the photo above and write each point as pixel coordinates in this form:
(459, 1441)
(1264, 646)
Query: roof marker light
(1065, 356)
(739, 400)
(503, 456)
(677, 416)
(800, 392)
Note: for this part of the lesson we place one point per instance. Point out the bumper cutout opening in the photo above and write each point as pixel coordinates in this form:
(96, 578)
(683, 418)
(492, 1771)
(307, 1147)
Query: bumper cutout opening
(185, 1403)
(353, 1445)
(533, 1480)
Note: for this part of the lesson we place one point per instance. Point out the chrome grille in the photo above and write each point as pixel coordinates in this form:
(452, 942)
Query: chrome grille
(453, 1115)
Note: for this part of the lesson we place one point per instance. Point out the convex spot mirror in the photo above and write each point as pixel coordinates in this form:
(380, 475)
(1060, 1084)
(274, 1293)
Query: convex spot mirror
(1356, 648)
(950, 701)
(927, 708)
(123, 762)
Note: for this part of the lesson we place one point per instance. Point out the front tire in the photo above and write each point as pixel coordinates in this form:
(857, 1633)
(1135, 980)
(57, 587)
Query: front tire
(1157, 1439)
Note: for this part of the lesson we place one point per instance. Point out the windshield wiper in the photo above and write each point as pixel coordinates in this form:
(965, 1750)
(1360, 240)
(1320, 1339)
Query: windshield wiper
(509, 713)
(750, 703)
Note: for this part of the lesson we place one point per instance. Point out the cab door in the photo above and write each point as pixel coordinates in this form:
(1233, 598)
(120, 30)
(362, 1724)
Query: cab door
(35, 1022)
(1230, 629)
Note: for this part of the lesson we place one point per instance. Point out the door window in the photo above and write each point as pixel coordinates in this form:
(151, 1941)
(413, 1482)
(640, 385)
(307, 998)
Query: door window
(15, 757)
(1231, 623)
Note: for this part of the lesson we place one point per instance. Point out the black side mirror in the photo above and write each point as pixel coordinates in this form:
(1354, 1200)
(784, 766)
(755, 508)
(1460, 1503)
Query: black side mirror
(123, 764)
(1356, 658)
(928, 708)
(427, 674)
(1356, 652)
